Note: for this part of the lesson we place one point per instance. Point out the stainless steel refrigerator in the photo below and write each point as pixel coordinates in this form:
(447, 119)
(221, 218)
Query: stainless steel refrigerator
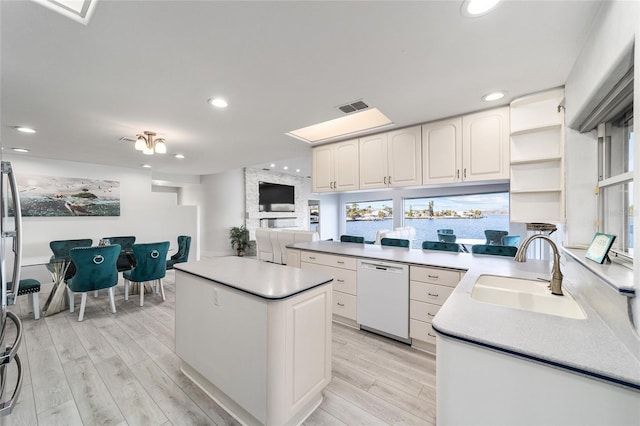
(10, 248)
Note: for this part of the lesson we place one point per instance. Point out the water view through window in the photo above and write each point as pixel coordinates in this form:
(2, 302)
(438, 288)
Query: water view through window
(366, 218)
(467, 215)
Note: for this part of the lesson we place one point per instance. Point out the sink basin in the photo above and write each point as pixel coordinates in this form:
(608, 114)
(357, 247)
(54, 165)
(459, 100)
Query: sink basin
(524, 294)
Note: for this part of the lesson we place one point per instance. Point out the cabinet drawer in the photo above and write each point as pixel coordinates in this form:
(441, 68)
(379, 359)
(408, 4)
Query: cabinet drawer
(422, 311)
(344, 305)
(434, 275)
(329, 260)
(344, 280)
(431, 293)
(422, 331)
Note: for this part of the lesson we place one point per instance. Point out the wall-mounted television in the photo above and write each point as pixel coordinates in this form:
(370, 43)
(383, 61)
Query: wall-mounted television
(274, 197)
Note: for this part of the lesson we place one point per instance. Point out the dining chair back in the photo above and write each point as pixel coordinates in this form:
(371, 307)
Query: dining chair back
(31, 287)
(447, 238)
(95, 270)
(495, 250)
(151, 266)
(445, 231)
(125, 258)
(184, 244)
(511, 240)
(394, 242)
(494, 237)
(351, 239)
(61, 249)
(439, 245)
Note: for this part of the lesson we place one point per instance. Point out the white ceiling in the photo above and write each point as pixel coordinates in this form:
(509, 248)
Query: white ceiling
(152, 65)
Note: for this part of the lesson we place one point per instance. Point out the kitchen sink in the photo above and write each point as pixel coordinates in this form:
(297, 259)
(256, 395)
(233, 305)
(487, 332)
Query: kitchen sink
(525, 294)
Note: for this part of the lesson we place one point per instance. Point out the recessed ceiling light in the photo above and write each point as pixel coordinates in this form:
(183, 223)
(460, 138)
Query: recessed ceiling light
(179, 156)
(20, 149)
(218, 102)
(146, 166)
(297, 170)
(349, 125)
(25, 129)
(475, 8)
(285, 168)
(272, 165)
(493, 96)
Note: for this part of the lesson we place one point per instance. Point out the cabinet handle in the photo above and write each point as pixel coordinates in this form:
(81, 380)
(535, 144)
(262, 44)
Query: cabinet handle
(433, 276)
(312, 258)
(464, 173)
(458, 174)
(340, 304)
(339, 280)
(389, 180)
(335, 184)
(340, 262)
(432, 335)
(429, 314)
(385, 180)
(331, 185)
(432, 295)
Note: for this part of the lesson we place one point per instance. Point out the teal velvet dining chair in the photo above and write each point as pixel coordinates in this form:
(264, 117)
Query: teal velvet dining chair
(511, 240)
(394, 242)
(95, 270)
(439, 245)
(151, 266)
(494, 237)
(184, 244)
(61, 249)
(495, 250)
(31, 287)
(126, 243)
(351, 239)
(447, 238)
(445, 231)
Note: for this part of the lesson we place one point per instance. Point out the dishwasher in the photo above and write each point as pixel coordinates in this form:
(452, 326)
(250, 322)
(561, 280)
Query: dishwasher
(383, 298)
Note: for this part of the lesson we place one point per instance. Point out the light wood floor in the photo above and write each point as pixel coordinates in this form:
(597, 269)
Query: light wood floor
(122, 370)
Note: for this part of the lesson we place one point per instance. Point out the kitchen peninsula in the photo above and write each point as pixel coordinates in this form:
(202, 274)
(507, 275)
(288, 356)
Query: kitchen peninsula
(255, 336)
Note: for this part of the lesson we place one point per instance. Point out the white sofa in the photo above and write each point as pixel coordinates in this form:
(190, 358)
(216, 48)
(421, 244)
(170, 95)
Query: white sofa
(271, 244)
(406, 233)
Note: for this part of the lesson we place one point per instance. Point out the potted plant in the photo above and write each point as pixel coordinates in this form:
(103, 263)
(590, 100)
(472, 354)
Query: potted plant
(239, 237)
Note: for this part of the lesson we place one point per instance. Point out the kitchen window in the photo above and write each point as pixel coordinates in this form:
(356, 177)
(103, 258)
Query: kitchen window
(366, 218)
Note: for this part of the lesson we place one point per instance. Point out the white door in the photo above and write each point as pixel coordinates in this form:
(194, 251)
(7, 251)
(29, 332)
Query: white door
(485, 145)
(442, 151)
(322, 168)
(345, 166)
(405, 157)
(373, 161)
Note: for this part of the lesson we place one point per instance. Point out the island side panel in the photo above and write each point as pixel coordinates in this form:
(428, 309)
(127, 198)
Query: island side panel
(222, 334)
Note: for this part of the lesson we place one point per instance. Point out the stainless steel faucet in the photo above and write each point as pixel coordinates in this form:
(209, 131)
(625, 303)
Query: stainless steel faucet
(556, 274)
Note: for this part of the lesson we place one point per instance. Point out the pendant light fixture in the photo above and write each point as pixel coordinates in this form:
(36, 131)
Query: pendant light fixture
(148, 145)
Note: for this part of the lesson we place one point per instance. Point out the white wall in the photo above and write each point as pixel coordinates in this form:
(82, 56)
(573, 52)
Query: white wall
(606, 53)
(147, 215)
(220, 199)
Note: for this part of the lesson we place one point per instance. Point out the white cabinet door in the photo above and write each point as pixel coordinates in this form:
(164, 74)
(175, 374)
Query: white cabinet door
(322, 173)
(345, 166)
(373, 161)
(485, 152)
(404, 157)
(442, 151)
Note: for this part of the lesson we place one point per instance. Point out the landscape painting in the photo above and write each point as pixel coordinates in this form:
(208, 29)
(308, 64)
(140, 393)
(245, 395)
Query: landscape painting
(64, 196)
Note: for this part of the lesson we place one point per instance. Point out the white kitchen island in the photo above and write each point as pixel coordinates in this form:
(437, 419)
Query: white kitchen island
(255, 336)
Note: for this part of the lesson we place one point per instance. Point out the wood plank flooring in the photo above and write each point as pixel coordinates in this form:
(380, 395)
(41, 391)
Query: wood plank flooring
(121, 369)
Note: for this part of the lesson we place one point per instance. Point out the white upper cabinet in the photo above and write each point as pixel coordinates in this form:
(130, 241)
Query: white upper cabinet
(335, 167)
(442, 151)
(485, 145)
(391, 159)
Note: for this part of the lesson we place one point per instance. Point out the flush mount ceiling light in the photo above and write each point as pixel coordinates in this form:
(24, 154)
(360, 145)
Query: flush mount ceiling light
(352, 124)
(25, 129)
(146, 166)
(148, 145)
(20, 149)
(78, 10)
(476, 8)
(493, 96)
(180, 156)
(218, 102)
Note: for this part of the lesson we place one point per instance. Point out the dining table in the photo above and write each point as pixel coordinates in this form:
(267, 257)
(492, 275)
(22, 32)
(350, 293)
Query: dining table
(466, 243)
(57, 267)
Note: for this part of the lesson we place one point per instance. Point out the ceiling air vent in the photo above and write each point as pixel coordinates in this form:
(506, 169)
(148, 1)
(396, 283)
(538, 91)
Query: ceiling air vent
(353, 106)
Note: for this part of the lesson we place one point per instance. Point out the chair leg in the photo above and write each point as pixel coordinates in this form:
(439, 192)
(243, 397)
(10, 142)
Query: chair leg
(95, 293)
(71, 301)
(161, 289)
(126, 289)
(83, 303)
(141, 293)
(112, 299)
(35, 302)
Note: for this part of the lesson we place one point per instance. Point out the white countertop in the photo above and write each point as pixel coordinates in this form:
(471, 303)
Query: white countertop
(265, 280)
(586, 346)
